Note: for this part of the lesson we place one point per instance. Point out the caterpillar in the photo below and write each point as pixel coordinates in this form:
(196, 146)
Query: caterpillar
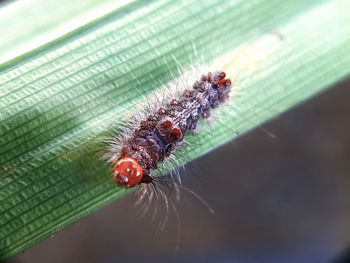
(163, 131)
(155, 131)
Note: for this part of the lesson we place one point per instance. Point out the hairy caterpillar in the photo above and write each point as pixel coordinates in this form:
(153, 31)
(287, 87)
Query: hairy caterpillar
(157, 129)
(163, 131)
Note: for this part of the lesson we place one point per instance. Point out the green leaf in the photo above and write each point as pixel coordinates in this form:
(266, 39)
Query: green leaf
(69, 72)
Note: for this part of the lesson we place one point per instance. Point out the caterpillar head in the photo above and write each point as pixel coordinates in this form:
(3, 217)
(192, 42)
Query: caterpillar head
(127, 172)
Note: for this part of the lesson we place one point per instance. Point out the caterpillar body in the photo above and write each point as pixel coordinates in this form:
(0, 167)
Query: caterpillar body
(162, 131)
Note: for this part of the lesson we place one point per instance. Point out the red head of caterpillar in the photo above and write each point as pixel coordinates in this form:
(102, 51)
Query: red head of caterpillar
(163, 130)
(127, 172)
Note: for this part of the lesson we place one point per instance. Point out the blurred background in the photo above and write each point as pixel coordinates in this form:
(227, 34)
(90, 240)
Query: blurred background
(282, 199)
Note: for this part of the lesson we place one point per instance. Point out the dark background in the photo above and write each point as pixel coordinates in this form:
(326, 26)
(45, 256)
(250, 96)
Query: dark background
(283, 199)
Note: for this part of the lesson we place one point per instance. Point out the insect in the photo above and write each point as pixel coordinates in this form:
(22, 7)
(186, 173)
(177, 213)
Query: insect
(163, 130)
